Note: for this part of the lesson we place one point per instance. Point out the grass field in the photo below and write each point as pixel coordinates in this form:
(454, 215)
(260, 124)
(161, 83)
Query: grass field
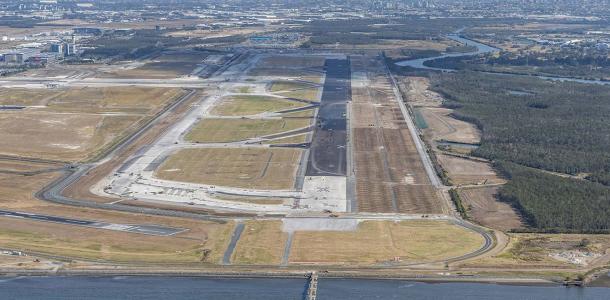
(250, 105)
(26, 97)
(229, 130)
(309, 94)
(23, 166)
(308, 113)
(382, 241)
(17, 193)
(135, 100)
(261, 243)
(235, 167)
(242, 89)
(76, 123)
(278, 86)
(87, 243)
(289, 140)
(69, 137)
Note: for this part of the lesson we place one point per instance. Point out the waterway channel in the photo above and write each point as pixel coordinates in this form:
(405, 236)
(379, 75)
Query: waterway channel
(420, 63)
(152, 288)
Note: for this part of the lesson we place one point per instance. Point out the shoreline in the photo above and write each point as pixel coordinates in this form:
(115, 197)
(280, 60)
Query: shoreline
(282, 274)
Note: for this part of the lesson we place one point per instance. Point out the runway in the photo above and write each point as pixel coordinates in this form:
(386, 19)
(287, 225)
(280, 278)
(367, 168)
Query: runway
(328, 155)
(133, 228)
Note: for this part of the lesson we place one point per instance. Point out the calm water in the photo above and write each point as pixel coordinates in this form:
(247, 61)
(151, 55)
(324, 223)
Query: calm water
(481, 49)
(152, 288)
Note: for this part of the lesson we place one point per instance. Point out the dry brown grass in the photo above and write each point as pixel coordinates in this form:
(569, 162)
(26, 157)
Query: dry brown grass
(289, 140)
(78, 122)
(261, 243)
(88, 243)
(17, 193)
(382, 241)
(244, 105)
(285, 73)
(230, 130)
(69, 137)
(23, 166)
(309, 94)
(26, 97)
(236, 167)
(133, 100)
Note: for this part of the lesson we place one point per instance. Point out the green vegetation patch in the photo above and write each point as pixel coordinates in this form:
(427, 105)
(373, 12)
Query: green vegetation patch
(243, 105)
(289, 85)
(420, 121)
(560, 127)
(556, 204)
(231, 130)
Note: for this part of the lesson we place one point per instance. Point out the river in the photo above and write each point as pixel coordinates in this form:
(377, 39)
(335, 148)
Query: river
(419, 63)
(482, 49)
(152, 288)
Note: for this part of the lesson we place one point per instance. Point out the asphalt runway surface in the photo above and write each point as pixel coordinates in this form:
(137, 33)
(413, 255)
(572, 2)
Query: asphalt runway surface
(328, 155)
(133, 228)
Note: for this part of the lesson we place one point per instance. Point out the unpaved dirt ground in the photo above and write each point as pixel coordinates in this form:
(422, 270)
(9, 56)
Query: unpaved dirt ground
(390, 176)
(549, 253)
(442, 126)
(486, 210)
(465, 171)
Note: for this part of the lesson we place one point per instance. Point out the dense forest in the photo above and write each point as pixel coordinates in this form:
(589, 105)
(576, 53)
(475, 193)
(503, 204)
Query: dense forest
(555, 204)
(556, 126)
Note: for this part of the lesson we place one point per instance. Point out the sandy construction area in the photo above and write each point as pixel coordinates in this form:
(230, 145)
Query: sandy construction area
(485, 209)
(466, 171)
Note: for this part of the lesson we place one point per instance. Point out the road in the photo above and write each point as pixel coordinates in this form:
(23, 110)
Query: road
(327, 155)
(53, 192)
(419, 144)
